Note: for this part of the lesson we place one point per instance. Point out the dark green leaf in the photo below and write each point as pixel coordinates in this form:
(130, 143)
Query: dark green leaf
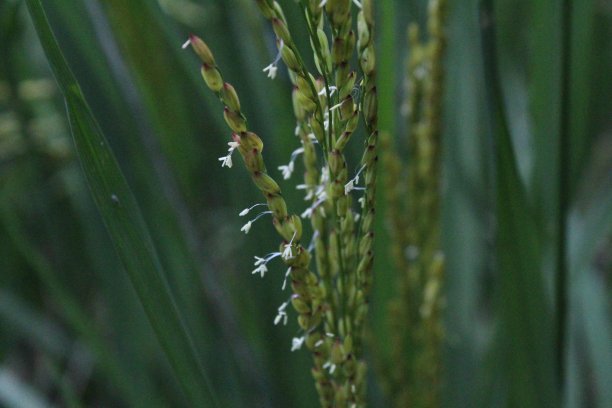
(526, 319)
(128, 230)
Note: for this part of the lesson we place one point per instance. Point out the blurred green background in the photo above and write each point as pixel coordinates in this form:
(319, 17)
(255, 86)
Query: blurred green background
(73, 332)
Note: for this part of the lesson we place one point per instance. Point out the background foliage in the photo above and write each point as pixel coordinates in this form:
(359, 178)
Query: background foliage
(74, 332)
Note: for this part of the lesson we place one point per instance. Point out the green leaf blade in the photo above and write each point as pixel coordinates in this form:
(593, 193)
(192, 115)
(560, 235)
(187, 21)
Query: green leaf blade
(526, 330)
(126, 226)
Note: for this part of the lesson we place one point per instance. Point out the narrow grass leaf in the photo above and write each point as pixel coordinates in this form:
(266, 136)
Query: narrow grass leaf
(466, 232)
(527, 335)
(126, 226)
(69, 309)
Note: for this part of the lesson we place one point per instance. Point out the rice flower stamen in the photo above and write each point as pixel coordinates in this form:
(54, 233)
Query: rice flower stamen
(247, 227)
(287, 170)
(351, 185)
(272, 69)
(282, 314)
(297, 342)
(287, 252)
(246, 210)
(226, 161)
(287, 274)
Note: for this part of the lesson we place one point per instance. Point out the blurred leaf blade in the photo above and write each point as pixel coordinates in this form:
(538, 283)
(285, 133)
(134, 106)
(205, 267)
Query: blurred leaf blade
(467, 243)
(125, 225)
(16, 394)
(589, 228)
(584, 57)
(136, 251)
(20, 317)
(527, 336)
(593, 317)
(71, 311)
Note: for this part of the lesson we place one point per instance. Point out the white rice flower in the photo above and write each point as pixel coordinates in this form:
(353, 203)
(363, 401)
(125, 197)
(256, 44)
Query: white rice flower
(261, 263)
(287, 170)
(282, 314)
(348, 187)
(332, 90)
(266, 259)
(261, 269)
(246, 210)
(330, 366)
(287, 252)
(309, 191)
(286, 277)
(351, 185)
(307, 212)
(226, 161)
(247, 227)
(297, 342)
(272, 69)
(321, 197)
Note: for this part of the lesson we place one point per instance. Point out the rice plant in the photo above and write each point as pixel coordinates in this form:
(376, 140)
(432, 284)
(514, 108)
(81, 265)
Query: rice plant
(332, 203)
